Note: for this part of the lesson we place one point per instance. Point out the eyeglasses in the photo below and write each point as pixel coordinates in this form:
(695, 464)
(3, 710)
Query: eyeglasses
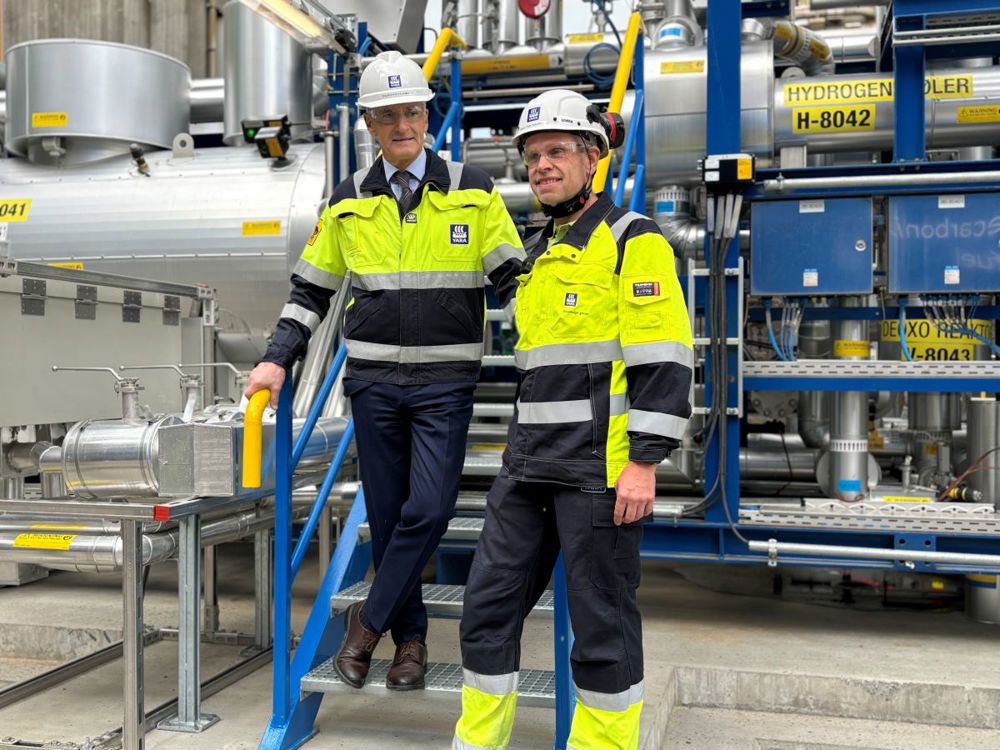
(390, 116)
(557, 152)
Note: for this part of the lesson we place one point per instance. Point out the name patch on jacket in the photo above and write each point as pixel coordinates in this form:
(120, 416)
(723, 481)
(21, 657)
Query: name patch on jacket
(646, 289)
(570, 299)
(395, 82)
(459, 234)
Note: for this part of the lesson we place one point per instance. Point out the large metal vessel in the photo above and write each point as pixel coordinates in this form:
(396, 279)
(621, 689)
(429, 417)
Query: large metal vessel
(267, 74)
(222, 217)
(71, 100)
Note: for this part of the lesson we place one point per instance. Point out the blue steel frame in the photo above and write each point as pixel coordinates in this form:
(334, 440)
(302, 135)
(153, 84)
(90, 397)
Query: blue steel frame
(453, 119)
(713, 540)
(635, 139)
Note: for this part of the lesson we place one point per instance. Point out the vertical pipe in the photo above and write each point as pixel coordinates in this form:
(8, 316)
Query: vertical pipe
(208, 313)
(848, 479)
(329, 179)
(325, 534)
(983, 426)
(344, 134)
(814, 406)
(12, 488)
(508, 26)
(134, 722)
(262, 589)
(456, 105)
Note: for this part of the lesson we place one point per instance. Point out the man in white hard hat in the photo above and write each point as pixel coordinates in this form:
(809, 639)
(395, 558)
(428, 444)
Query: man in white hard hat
(417, 234)
(605, 363)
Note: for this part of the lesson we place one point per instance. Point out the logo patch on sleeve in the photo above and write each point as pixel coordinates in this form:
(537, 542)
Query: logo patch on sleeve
(395, 82)
(315, 235)
(570, 299)
(534, 113)
(459, 234)
(646, 289)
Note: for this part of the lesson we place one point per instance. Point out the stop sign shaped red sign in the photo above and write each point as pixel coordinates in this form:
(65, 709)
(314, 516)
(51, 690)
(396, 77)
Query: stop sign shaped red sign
(534, 8)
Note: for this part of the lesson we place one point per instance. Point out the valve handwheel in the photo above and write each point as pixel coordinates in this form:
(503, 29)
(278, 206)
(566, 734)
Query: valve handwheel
(534, 8)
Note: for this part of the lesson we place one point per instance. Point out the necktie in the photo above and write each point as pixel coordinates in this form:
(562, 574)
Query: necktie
(402, 178)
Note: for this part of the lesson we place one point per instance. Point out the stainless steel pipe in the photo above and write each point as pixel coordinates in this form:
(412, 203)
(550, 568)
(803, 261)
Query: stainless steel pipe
(775, 547)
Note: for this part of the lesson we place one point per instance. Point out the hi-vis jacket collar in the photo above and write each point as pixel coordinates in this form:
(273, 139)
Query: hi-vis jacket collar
(435, 174)
(579, 234)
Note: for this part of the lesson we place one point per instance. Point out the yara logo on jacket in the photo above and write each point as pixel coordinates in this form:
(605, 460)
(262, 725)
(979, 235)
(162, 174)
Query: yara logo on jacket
(459, 234)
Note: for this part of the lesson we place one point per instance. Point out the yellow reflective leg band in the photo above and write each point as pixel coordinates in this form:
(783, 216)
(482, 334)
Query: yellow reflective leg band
(596, 729)
(486, 721)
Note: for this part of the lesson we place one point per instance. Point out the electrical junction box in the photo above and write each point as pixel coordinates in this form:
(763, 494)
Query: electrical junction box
(811, 247)
(944, 244)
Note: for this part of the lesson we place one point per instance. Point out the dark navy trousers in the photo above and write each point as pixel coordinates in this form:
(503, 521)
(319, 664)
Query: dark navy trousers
(411, 446)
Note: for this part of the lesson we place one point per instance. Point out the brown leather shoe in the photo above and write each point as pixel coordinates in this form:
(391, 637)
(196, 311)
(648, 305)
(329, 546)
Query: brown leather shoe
(355, 656)
(408, 667)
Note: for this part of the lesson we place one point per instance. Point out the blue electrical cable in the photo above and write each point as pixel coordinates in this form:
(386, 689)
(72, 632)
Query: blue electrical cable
(902, 333)
(979, 337)
(596, 78)
(770, 333)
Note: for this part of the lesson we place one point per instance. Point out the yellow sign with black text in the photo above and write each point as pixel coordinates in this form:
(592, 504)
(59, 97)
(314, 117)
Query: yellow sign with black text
(49, 119)
(14, 209)
(867, 90)
(44, 541)
(853, 119)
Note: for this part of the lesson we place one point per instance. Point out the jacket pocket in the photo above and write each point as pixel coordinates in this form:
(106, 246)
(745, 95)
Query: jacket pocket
(457, 236)
(359, 314)
(579, 302)
(364, 247)
(646, 301)
(466, 326)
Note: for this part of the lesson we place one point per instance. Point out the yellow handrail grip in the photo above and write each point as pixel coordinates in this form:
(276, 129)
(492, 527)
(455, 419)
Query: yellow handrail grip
(447, 38)
(622, 75)
(253, 438)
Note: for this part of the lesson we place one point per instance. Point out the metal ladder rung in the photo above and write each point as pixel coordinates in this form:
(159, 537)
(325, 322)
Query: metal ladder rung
(535, 687)
(458, 528)
(441, 600)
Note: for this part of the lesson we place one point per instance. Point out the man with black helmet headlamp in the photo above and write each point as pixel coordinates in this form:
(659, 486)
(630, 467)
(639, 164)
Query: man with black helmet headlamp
(605, 363)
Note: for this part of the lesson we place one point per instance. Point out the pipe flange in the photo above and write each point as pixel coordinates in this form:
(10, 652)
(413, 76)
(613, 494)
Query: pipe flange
(849, 446)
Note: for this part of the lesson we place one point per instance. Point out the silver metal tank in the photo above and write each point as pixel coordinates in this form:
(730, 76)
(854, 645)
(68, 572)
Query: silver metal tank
(676, 106)
(222, 217)
(266, 73)
(71, 100)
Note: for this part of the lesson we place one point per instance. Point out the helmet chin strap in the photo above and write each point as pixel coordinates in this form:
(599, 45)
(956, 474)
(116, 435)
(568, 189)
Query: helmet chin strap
(570, 206)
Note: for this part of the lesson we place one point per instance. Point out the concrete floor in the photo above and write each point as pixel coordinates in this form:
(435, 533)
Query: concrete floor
(724, 672)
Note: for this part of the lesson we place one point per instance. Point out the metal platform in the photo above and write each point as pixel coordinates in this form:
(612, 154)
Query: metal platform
(461, 528)
(441, 600)
(535, 687)
(977, 519)
(871, 375)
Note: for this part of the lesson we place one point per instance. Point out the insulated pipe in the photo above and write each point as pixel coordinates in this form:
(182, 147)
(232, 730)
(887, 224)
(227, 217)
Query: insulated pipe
(508, 26)
(848, 479)
(774, 548)
(983, 437)
(781, 185)
(814, 406)
(801, 46)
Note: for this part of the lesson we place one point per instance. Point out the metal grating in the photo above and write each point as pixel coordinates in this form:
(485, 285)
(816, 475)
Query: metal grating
(458, 528)
(979, 519)
(440, 599)
(536, 687)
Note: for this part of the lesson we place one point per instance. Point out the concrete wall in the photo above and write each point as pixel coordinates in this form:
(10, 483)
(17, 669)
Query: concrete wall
(175, 27)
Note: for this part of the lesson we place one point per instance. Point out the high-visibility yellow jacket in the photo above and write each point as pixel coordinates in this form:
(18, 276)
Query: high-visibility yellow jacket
(417, 309)
(604, 353)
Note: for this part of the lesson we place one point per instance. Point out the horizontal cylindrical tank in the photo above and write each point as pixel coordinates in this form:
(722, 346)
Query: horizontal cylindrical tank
(73, 100)
(223, 217)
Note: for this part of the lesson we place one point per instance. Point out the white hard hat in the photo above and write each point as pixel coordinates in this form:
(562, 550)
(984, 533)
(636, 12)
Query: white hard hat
(391, 78)
(559, 110)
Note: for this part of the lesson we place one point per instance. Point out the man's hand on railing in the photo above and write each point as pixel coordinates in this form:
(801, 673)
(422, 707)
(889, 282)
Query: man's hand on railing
(266, 376)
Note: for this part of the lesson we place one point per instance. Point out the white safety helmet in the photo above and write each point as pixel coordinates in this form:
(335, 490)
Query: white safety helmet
(559, 110)
(391, 78)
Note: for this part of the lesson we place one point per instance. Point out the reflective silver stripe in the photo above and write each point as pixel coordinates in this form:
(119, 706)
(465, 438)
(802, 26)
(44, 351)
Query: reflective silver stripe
(554, 412)
(610, 701)
(510, 308)
(656, 423)
(493, 684)
(458, 744)
(619, 404)
(419, 280)
(359, 177)
(412, 355)
(454, 173)
(660, 351)
(318, 276)
(619, 227)
(500, 255)
(568, 354)
(296, 312)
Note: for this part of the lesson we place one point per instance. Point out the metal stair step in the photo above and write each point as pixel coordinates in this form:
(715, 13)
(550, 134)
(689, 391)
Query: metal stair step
(439, 598)
(461, 528)
(535, 687)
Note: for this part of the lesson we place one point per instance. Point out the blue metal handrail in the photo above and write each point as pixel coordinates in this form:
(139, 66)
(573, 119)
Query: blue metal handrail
(453, 120)
(635, 140)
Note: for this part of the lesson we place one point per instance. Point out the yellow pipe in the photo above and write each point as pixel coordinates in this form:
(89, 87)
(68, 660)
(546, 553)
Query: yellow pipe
(253, 438)
(447, 38)
(618, 89)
